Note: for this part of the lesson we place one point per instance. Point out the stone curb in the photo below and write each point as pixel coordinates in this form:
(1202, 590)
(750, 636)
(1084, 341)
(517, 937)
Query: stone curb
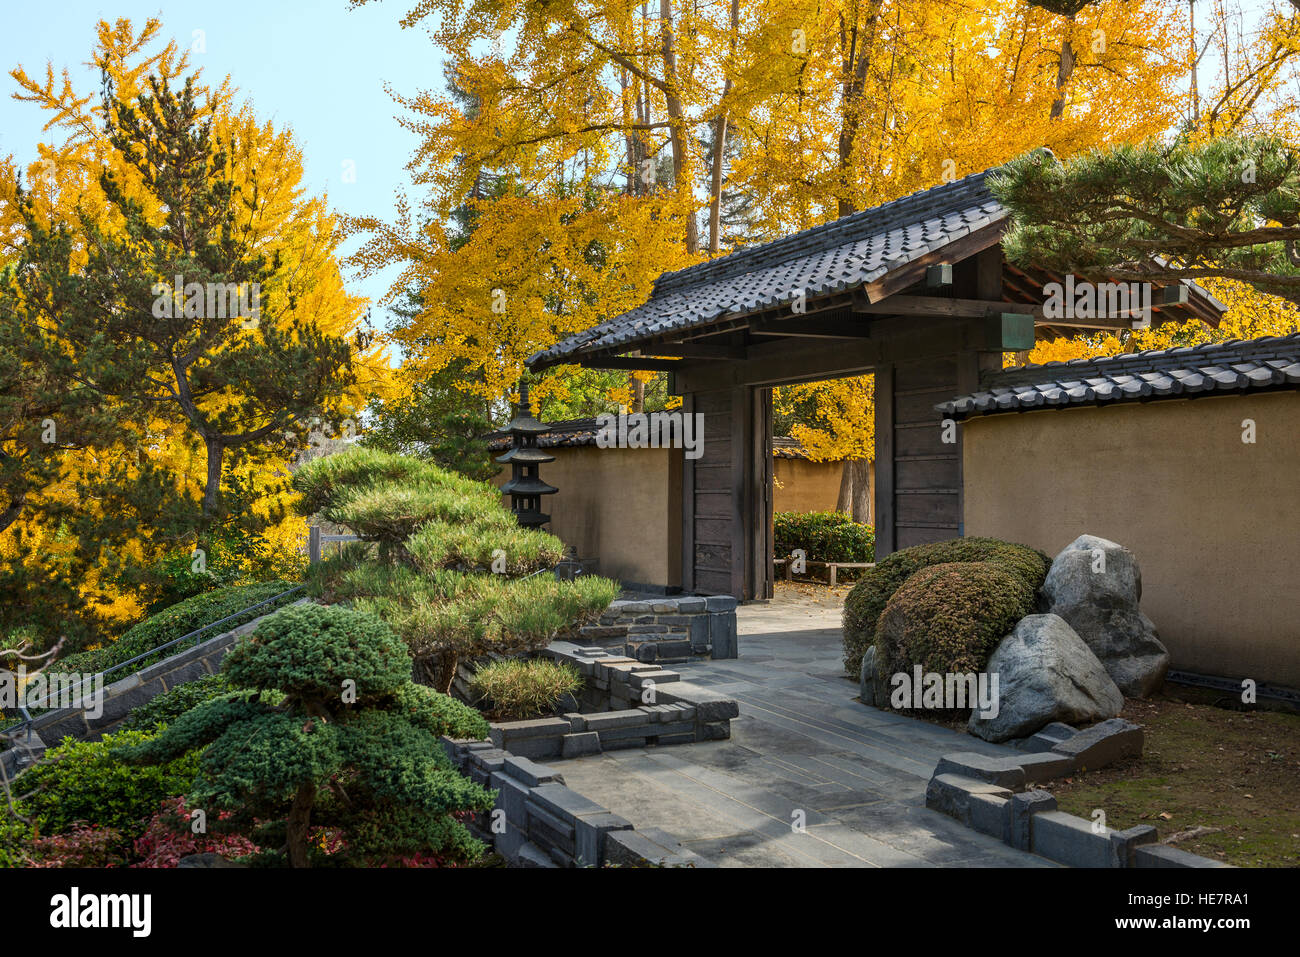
(991, 795)
(538, 821)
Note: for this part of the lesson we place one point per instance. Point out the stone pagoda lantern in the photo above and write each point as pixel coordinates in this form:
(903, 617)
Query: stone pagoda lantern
(525, 488)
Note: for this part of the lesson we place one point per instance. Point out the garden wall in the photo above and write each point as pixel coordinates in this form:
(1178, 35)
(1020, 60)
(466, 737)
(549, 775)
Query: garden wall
(126, 694)
(622, 507)
(1211, 519)
(670, 629)
(803, 486)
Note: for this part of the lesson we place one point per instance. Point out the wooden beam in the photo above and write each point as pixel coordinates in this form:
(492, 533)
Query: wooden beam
(811, 328)
(943, 306)
(631, 362)
(899, 279)
(690, 350)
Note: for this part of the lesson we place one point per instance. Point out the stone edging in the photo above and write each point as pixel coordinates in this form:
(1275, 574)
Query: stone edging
(675, 712)
(992, 796)
(539, 822)
(669, 628)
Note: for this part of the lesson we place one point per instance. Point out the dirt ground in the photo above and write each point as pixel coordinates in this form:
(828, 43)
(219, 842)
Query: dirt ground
(1220, 783)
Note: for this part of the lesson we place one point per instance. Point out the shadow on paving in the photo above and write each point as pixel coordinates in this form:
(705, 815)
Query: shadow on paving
(803, 751)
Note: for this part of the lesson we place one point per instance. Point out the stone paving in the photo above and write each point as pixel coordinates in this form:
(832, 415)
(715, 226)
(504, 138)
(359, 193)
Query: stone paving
(802, 743)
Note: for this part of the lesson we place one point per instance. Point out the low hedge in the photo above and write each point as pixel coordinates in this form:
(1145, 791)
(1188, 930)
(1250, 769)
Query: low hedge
(180, 619)
(824, 537)
(165, 708)
(948, 618)
(865, 603)
(88, 782)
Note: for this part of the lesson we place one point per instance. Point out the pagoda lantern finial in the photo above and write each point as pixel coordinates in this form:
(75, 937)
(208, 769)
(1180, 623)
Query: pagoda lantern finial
(525, 488)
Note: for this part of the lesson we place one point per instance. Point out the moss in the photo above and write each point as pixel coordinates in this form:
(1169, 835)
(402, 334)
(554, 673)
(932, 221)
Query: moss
(867, 600)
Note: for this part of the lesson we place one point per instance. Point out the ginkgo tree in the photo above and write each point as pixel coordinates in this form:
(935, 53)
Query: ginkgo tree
(96, 191)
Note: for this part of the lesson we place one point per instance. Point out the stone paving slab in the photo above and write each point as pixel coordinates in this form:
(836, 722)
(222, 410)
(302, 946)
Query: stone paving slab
(803, 747)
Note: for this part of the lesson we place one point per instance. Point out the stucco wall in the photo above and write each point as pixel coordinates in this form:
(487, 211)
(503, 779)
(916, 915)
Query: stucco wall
(621, 506)
(808, 486)
(1213, 521)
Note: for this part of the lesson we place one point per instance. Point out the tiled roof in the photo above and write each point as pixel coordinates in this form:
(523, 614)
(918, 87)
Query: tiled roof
(827, 259)
(1238, 365)
(568, 432)
(578, 432)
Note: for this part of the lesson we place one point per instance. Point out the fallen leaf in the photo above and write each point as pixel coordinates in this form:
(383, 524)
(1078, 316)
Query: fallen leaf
(1166, 816)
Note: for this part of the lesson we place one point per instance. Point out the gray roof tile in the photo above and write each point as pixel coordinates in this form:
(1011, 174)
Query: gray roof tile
(835, 257)
(1237, 365)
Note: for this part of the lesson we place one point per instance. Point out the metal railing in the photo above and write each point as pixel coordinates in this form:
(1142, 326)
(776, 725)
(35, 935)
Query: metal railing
(26, 723)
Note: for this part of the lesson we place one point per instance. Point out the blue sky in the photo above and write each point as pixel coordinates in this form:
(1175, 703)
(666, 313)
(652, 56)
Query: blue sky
(313, 65)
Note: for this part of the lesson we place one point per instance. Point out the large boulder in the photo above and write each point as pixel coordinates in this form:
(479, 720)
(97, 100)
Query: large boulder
(1045, 673)
(1095, 585)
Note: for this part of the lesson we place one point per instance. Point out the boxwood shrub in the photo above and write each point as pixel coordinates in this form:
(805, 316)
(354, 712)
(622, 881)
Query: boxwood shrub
(864, 604)
(824, 536)
(948, 618)
(180, 619)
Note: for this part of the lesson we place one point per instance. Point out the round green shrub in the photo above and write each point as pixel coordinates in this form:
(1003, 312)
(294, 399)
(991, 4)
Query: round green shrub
(309, 651)
(867, 599)
(948, 618)
(518, 690)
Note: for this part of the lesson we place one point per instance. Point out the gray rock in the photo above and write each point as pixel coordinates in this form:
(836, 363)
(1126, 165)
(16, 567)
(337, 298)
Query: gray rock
(1045, 673)
(873, 689)
(1095, 585)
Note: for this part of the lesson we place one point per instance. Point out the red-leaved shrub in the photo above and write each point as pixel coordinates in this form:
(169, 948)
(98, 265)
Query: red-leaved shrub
(169, 837)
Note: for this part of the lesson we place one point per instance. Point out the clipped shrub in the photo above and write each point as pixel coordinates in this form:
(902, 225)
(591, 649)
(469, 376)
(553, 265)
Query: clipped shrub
(432, 570)
(478, 547)
(350, 747)
(824, 536)
(519, 690)
(171, 704)
(867, 599)
(180, 619)
(948, 618)
(87, 782)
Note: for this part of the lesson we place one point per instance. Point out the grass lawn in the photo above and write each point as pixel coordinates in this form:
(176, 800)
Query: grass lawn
(1221, 783)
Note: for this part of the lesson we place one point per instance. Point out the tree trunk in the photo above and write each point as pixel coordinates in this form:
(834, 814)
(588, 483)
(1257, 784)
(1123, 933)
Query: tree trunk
(638, 394)
(212, 490)
(1064, 71)
(720, 147)
(861, 469)
(677, 129)
(854, 499)
(857, 57)
(844, 501)
(298, 824)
